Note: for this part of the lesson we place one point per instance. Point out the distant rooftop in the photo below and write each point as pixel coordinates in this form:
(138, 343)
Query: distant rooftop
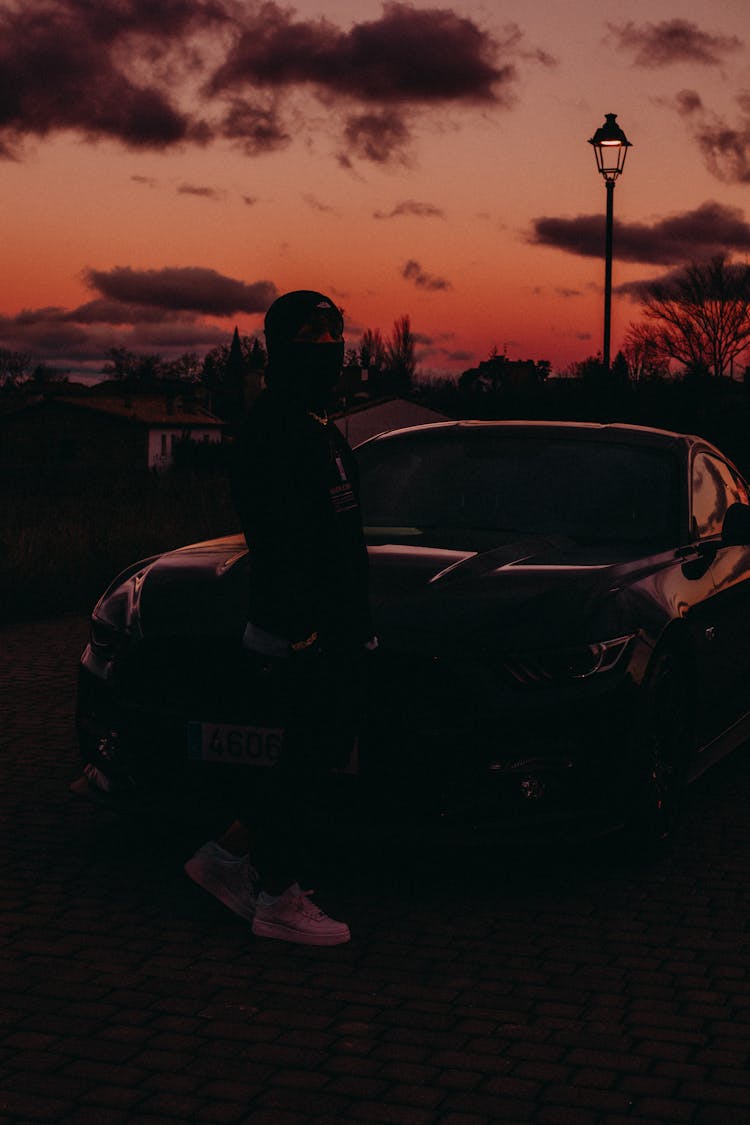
(393, 414)
(152, 410)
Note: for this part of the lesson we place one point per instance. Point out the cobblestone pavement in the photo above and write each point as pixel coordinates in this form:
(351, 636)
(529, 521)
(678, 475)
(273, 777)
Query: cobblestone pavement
(564, 992)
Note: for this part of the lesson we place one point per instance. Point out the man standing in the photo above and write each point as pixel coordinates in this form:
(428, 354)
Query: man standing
(295, 488)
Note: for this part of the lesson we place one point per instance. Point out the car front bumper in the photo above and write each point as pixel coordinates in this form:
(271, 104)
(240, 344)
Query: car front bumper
(444, 743)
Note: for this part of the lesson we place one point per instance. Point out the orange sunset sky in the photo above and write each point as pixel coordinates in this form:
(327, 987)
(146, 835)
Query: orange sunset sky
(168, 168)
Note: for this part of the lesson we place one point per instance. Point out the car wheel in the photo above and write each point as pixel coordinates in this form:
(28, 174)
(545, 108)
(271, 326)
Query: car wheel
(663, 745)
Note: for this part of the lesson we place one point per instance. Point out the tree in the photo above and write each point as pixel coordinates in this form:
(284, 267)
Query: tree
(120, 363)
(642, 355)
(400, 361)
(216, 361)
(186, 368)
(148, 371)
(231, 375)
(497, 374)
(372, 349)
(43, 376)
(699, 317)
(14, 368)
(619, 370)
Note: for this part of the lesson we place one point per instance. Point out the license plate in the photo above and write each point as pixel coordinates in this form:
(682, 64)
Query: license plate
(234, 745)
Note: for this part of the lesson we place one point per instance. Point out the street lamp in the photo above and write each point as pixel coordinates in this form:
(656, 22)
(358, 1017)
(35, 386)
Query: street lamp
(610, 149)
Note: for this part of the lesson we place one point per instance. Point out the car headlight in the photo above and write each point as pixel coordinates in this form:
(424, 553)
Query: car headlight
(578, 662)
(109, 628)
(116, 611)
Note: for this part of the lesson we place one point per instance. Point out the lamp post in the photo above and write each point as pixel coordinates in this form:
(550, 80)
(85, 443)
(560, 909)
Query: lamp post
(610, 149)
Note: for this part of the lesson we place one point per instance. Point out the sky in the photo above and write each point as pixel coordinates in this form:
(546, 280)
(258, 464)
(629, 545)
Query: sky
(168, 169)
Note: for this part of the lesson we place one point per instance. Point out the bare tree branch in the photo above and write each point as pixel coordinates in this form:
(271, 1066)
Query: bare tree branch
(700, 317)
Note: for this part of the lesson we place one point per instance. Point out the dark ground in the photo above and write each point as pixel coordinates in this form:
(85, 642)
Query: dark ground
(557, 992)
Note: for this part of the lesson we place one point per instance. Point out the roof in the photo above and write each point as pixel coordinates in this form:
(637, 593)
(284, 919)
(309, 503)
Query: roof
(393, 414)
(150, 410)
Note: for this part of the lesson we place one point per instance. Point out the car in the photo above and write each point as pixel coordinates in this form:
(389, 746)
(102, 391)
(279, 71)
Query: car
(563, 612)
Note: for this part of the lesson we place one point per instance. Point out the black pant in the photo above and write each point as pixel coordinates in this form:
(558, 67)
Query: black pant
(323, 698)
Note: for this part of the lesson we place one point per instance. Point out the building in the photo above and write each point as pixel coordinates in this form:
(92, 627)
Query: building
(93, 432)
(390, 414)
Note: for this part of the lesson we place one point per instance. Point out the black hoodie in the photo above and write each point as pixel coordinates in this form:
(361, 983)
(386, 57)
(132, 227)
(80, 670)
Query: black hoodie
(295, 489)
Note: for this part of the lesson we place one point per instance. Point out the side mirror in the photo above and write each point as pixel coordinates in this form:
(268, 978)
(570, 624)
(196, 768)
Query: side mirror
(736, 529)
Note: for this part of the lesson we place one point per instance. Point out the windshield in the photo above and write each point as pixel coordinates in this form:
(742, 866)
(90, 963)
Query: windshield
(589, 491)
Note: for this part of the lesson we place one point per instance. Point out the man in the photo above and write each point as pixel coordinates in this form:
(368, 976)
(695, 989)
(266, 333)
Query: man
(294, 485)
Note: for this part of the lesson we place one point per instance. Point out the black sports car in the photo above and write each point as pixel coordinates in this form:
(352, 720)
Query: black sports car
(563, 612)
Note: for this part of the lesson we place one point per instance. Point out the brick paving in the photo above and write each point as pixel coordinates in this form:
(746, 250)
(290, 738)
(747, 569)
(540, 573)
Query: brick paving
(505, 989)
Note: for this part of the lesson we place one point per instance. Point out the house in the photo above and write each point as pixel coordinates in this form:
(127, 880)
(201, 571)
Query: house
(366, 421)
(82, 434)
(160, 421)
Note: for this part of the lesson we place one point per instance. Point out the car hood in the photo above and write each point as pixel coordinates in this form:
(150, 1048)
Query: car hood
(530, 591)
(534, 590)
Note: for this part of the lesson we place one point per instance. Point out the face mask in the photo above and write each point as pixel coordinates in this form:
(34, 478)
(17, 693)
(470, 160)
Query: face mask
(307, 372)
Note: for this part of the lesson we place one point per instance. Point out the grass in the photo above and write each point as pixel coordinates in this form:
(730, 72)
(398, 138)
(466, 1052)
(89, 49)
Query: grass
(61, 543)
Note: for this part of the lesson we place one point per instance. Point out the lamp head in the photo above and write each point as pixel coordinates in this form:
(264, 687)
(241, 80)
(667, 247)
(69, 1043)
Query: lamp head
(610, 148)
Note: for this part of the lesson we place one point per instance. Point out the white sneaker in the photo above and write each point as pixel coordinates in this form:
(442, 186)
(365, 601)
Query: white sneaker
(292, 917)
(228, 877)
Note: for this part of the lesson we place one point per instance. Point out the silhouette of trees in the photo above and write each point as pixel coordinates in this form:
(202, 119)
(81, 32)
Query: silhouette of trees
(372, 350)
(216, 362)
(226, 373)
(120, 364)
(148, 372)
(642, 356)
(400, 359)
(185, 369)
(44, 376)
(699, 317)
(14, 368)
(498, 373)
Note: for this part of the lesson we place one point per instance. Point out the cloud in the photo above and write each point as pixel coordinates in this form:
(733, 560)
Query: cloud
(80, 338)
(44, 338)
(638, 290)
(317, 205)
(67, 344)
(408, 55)
(256, 126)
(103, 311)
(201, 192)
(688, 102)
(710, 229)
(411, 207)
(725, 148)
(142, 310)
(673, 41)
(190, 288)
(60, 69)
(412, 271)
(406, 60)
(190, 72)
(562, 291)
(378, 137)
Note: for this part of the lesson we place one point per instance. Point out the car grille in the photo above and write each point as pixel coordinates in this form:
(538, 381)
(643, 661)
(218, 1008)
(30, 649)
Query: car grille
(424, 692)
